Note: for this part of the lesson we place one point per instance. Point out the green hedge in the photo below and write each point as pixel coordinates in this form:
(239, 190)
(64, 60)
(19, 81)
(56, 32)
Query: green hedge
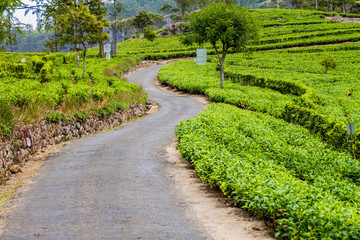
(37, 63)
(46, 72)
(297, 104)
(17, 70)
(307, 94)
(277, 170)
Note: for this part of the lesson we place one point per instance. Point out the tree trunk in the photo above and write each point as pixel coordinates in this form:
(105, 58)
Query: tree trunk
(77, 46)
(77, 56)
(101, 42)
(56, 41)
(344, 7)
(222, 73)
(115, 29)
(84, 68)
(10, 36)
(56, 45)
(316, 5)
(222, 62)
(331, 6)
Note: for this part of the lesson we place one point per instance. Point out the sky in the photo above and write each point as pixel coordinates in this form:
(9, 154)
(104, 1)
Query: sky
(29, 18)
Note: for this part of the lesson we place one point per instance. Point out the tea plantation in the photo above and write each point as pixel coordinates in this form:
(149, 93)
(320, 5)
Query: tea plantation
(275, 138)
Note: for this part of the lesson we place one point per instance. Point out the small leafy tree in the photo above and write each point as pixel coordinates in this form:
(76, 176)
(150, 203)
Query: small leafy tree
(328, 63)
(142, 20)
(228, 26)
(166, 8)
(146, 19)
(77, 26)
(149, 35)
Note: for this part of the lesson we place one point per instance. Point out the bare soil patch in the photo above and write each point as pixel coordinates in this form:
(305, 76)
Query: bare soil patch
(343, 19)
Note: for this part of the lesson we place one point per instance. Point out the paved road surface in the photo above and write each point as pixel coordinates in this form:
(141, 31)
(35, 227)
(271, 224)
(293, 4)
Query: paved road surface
(112, 185)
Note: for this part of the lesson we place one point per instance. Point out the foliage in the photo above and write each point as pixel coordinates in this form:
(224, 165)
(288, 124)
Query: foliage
(110, 109)
(146, 19)
(54, 117)
(133, 7)
(37, 63)
(166, 8)
(277, 170)
(6, 118)
(77, 26)
(60, 92)
(229, 25)
(328, 63)
(203, 80)
(9, 5)
(9, 26)
(184, 5)
(283, 28)
(149, 34)
(17, 70)
(46, 72)
(302, 104)
(116, 24)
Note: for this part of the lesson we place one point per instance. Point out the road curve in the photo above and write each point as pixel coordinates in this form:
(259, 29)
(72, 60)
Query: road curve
(112, 185)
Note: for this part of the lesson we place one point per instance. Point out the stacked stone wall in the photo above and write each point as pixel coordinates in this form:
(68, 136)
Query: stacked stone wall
(29, 139)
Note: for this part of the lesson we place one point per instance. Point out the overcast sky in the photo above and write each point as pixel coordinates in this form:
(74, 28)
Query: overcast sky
(29, 18)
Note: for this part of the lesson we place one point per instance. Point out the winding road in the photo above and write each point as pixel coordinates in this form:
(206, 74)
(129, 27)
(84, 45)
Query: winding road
(112, 185)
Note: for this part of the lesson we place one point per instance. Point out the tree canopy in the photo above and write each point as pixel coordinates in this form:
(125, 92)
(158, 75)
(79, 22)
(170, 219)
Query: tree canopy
(224, 25)
(9, 5)
(78, 27)
(146, 19)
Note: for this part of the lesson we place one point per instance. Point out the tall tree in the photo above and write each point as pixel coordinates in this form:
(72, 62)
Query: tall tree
(116, 23)
(142, 20)
(184, 5)
(10, 25)
(166, 8)
(149, 35)
(49, 21)
(8, 21)
(146, 19)
(97, 7)
(228, 26)
(77, 26)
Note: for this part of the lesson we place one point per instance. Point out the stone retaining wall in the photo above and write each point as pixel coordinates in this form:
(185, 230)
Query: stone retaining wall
(28, 139)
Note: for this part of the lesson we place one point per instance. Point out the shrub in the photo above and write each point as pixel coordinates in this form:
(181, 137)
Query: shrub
(328, 63)
(46, 72)
(81, 115)
(17, 70)
(6, 118)
(37, 63)
(54, 117)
